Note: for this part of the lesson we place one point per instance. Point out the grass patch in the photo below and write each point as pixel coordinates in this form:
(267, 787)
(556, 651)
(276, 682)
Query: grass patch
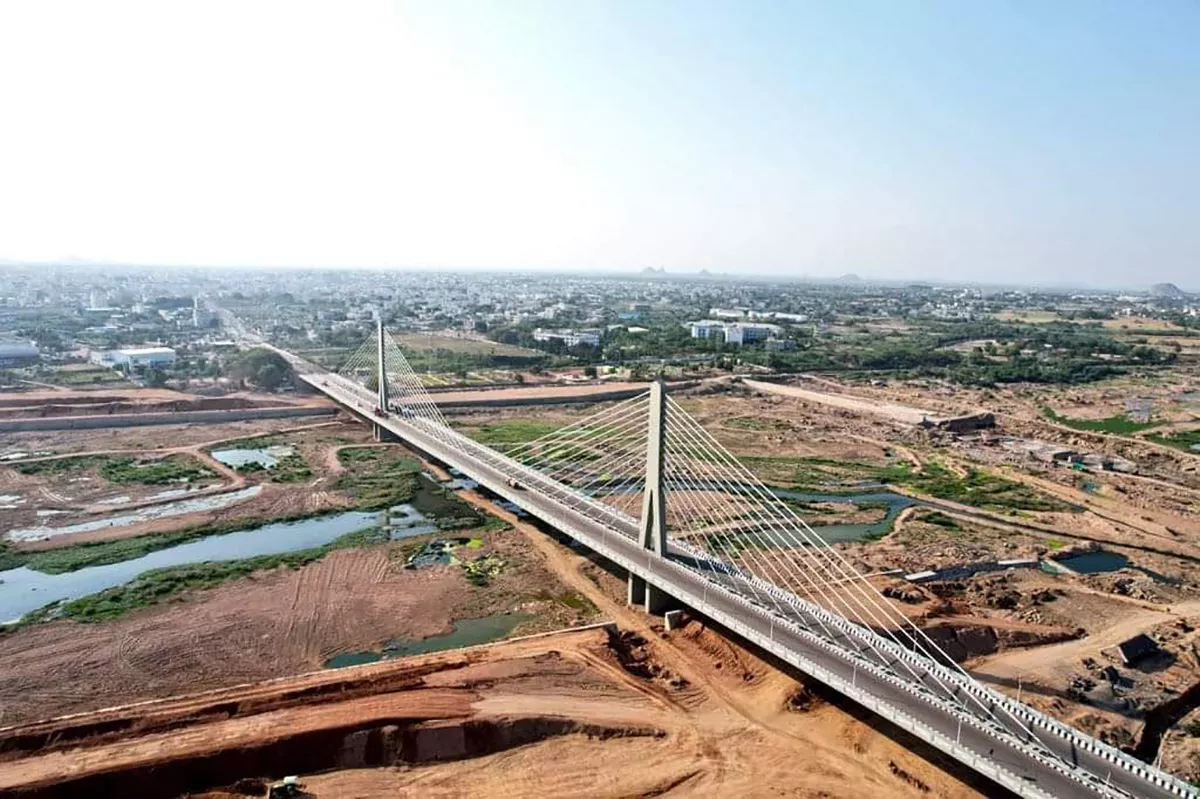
(981, 489)
(158, 585)
(569, 599)
(378, 478)
(1117, 425)
(1186, 440)
(512, 432)
(940, 519)
(290, 469)
(822, 475)
(124, 470)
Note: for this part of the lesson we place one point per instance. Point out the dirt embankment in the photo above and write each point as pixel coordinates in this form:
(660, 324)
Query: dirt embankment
(134, 402)
(531, 717)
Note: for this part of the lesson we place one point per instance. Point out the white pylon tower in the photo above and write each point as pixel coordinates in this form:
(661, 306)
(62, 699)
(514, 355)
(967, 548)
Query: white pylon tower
(653, 535)
(381, 433)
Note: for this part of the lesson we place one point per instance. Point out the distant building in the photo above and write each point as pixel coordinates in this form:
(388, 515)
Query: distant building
(18, 353)
(708, 328)
(742, 333)
(134, 357)
(733, 332)
(570, 338)
(780, 345)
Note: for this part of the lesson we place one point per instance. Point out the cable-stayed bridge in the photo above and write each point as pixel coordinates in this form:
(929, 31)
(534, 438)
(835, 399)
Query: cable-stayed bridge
(643, 484)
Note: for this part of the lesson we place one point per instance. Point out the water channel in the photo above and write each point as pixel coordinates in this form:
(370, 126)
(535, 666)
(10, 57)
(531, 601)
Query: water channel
(466, 632)
(24, 589)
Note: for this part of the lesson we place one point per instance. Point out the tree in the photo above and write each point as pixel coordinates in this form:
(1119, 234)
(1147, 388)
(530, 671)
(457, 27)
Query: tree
(589, 371)
(262, 368)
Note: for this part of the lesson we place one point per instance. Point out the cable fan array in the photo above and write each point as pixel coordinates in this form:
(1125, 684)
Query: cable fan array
(722, 521)
(602, 457)
(407, 395)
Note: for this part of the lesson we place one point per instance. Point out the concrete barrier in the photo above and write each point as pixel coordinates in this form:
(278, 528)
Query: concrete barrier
(143, 419)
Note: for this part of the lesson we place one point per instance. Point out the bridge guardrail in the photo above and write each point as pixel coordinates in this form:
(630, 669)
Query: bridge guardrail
(606, 515)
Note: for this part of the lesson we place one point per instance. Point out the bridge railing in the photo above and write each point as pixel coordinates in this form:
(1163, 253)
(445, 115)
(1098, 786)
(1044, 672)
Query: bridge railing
(626, 526)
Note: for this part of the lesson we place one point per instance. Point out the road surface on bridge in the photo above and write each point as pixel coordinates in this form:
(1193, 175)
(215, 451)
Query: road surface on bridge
(843, 655)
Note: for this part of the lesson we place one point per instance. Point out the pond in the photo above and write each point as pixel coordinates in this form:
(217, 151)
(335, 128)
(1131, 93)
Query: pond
(143, 514)
(466, 632)
(267, 457)
(835, 533)
(405, 521)
(1095, 562)
(23, 589)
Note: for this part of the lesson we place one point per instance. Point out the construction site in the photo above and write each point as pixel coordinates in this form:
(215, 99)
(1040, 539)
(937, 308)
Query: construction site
(317, 628)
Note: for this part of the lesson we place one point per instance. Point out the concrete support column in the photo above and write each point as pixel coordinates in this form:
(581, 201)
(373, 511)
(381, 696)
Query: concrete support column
(381, 366)
(653, 536)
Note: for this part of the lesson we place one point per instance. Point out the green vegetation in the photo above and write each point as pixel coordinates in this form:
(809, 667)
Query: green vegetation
(378, 477)
(290, 469)
(260, 367)
(980, 489)
(124, 470)
(822, 475)
(480, 570)
(569, 599)
(1186, 440)
(1117, 425)
(158, 585)
(512, 432)
(940, 519)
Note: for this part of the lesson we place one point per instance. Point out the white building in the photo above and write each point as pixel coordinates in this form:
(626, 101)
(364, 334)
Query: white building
(570, 338)
(746, 333)
(134, 357)
(733, 332)
(708, 328)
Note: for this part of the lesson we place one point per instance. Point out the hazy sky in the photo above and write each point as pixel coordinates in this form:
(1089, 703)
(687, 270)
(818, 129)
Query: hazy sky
(1016, 141)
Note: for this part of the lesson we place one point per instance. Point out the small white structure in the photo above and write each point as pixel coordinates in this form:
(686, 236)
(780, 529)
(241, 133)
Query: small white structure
(570, 338)
(134, 357)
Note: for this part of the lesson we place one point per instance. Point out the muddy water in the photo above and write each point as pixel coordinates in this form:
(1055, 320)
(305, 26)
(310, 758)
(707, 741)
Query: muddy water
(466, 632)
(833, 533)
(23, 589)
(164, 511)
(267, 457)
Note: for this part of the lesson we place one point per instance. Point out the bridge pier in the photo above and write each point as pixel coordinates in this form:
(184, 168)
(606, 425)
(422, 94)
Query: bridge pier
(382, 434)
(637, 590)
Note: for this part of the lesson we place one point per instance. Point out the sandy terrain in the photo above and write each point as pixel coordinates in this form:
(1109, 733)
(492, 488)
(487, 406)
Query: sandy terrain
(517, 395)
(525, 718)
(275, 623)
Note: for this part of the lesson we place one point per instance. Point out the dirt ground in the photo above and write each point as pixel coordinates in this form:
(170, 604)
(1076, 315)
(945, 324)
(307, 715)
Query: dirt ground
(86, 496)
(1041, 635)
(273, 624)
(533, 717)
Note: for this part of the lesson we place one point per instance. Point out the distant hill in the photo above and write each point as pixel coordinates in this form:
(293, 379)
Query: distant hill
(1167, 291)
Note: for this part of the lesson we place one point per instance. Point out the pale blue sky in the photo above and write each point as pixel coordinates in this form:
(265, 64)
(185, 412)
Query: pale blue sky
(1017, 141)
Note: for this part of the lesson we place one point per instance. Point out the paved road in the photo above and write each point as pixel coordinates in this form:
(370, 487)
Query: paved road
(848, 657)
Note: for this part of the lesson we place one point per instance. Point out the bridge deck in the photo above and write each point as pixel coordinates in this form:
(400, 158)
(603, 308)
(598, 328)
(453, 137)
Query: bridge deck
(900, 686)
